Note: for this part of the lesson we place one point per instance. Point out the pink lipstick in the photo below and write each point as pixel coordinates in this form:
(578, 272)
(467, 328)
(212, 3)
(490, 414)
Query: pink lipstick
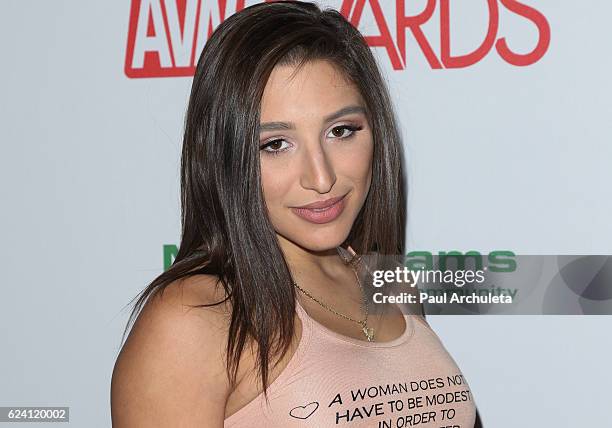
(321, 212)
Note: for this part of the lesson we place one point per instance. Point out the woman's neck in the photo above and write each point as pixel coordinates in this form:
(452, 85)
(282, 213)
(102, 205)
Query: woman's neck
(307, 265)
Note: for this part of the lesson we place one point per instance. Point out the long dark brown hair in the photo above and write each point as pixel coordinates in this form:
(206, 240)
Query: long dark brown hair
(226, 231)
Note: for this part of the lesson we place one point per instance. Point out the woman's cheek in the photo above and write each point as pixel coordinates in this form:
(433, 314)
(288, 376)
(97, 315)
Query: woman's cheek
(357, 162)
(274, 182)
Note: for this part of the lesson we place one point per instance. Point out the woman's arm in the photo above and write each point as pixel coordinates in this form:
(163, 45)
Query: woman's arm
(171, 369)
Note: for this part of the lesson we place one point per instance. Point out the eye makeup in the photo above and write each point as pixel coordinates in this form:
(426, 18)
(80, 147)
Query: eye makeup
(267, 144)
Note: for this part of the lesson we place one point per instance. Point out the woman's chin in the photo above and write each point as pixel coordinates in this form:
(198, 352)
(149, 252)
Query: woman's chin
(326, 241)
(318, 237)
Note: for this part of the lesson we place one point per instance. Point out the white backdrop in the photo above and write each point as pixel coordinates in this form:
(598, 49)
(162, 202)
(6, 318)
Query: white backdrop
(499, 156)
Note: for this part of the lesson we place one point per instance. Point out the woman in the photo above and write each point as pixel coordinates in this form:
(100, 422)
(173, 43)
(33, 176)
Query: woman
(291, 168)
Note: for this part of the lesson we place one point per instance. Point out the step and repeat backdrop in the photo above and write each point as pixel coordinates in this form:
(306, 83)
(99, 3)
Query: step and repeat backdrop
(505, 112)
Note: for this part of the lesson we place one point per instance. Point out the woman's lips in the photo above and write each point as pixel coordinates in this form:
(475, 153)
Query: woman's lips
(321, 212)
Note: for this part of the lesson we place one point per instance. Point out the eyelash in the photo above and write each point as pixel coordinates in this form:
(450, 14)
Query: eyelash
(351, 128)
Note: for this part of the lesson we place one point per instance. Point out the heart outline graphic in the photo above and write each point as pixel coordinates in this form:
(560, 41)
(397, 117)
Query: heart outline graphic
(306, 414)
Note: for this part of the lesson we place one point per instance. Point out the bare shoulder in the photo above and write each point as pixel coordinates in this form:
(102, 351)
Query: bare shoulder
(171, 369)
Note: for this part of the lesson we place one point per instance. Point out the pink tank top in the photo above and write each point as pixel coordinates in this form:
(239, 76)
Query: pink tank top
(334, 380)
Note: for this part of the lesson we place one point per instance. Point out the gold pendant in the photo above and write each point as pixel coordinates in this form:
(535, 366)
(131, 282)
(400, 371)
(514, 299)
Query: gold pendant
(369, 332)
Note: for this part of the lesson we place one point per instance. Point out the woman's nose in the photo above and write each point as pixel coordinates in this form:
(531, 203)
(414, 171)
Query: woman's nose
(318, 172)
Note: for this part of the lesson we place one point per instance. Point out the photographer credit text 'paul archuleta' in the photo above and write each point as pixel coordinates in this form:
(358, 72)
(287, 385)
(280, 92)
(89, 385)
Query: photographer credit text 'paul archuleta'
(443, 286)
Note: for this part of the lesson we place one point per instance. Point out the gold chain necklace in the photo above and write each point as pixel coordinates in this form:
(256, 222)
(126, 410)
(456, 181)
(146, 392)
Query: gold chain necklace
(367, 331)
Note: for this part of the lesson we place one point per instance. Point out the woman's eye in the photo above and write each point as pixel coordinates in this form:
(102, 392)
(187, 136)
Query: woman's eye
(274, 146)
(340, 131)
(278, 146)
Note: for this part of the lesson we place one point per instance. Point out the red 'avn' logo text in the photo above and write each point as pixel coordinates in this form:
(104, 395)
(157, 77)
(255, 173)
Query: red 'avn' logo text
(166, 36)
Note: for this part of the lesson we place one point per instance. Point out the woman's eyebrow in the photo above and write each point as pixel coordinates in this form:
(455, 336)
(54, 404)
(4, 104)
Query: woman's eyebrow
(273, 126)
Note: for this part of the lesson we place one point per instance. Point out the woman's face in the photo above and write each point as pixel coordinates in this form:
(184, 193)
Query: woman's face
(315, 146)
